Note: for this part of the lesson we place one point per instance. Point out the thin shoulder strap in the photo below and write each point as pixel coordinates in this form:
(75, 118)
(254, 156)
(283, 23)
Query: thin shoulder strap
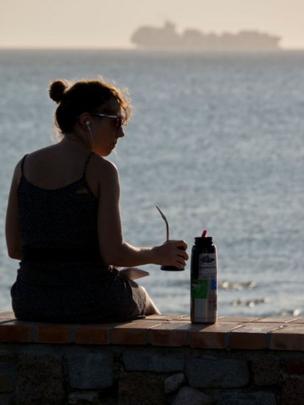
(86, 164)
(22, 163)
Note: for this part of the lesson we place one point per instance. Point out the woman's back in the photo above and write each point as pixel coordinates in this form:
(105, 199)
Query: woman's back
(62, 276)
(61, 217)
(57, 166)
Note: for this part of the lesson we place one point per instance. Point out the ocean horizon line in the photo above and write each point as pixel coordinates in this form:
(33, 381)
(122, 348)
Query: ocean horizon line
(149, 50)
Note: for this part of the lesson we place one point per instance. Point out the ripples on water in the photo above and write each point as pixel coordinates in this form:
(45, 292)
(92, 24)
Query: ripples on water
(216, 141)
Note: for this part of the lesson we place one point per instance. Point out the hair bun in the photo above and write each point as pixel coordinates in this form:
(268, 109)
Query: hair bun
(57, 90)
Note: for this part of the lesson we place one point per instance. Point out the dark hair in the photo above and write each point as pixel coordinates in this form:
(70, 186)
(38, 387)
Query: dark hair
(85, 96)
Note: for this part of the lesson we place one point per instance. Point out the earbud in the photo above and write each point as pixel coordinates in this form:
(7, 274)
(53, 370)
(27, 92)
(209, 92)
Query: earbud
(88, 124)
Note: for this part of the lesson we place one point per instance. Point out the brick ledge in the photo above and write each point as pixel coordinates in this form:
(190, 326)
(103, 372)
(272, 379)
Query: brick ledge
(245, 333)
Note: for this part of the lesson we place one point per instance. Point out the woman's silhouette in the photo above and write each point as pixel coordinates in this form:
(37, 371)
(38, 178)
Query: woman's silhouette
(63, 219)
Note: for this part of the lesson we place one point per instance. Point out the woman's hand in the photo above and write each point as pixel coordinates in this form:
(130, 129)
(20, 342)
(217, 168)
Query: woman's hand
(171, 253)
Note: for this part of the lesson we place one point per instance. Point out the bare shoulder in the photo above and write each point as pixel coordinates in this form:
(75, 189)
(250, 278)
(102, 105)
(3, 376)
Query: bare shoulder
(33, 154)
(103, 167)
(42, 153)
(104, 175)
(17, 171)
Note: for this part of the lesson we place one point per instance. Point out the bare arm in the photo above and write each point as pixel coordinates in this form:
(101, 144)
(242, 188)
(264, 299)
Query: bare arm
(12, 227)
(113, 248)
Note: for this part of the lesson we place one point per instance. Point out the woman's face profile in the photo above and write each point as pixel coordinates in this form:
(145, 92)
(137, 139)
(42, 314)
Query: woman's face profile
(105, 133)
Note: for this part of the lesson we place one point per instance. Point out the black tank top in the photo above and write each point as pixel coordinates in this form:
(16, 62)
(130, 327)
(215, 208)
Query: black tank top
(58, 225)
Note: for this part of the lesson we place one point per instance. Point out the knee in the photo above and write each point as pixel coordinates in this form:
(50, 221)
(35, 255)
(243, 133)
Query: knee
(147, 298)
(143, 289)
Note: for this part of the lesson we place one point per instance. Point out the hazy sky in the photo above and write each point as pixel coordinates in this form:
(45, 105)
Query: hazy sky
(110, 23)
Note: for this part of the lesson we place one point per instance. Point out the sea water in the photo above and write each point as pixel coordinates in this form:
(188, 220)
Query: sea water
(216, 140)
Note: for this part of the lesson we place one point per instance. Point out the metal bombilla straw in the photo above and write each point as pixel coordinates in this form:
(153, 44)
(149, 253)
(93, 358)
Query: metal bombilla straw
(169, 268)
(165, 219)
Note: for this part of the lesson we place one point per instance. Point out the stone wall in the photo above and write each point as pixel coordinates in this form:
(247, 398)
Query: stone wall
(163, 359)
(50, 374)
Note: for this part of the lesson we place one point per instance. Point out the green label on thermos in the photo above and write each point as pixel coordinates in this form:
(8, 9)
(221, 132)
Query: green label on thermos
(199, 288)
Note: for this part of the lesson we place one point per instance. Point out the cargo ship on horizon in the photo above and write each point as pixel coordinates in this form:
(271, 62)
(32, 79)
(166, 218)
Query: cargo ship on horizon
(167, 38)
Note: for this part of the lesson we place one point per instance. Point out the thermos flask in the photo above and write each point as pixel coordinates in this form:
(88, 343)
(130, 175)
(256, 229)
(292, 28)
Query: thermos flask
(203, 280)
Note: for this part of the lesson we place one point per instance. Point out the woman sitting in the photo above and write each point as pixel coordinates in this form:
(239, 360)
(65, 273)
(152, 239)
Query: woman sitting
(63, 220)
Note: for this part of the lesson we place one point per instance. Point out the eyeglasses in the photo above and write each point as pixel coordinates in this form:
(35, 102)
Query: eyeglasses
(118, 119)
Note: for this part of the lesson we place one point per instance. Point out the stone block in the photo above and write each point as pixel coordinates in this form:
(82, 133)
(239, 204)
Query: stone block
(247, 398)
(293, 391)
(16, 331)
(90, 398)
(42, 349)
(252, 336)
(53, 333)
(40, 380)
(92, 334)
(83, 398)
(161, 361)
(266, 370)
(191, 396)
(291, 337)
(90, 370)
(294, 366)
(7, 399)
(212, 336)
(170, 334)
(6, 383)
(141, 389)
(135, 332)
(173, 382)
(8, 353)
(7, 376)
(216, 372)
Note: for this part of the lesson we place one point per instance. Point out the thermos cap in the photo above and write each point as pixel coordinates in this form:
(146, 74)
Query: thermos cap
(201, 240)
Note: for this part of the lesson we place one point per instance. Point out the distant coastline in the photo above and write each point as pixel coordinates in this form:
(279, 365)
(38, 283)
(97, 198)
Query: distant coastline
(167, 38)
